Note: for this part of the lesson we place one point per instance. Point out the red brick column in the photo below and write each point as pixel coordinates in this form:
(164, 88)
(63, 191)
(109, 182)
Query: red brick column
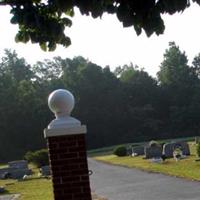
(68, 161)
(67, 150)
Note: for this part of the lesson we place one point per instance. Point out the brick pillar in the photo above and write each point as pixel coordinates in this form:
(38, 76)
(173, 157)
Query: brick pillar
(67, 151)
(68, 161)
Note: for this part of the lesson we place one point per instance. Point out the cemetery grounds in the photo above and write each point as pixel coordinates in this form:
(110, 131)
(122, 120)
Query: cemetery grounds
(34, 188)
(41, 188)
(188, 168)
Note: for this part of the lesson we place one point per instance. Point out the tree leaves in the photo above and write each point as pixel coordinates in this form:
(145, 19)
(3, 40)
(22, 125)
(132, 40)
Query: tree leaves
(42, 25)
(46, 22)
(169, 6)
(14, 20)
(197, 1)
(43, 46)
(22, 36)
(66, 21)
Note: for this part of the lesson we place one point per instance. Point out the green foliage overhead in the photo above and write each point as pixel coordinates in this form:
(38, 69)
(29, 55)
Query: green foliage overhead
(44, 22)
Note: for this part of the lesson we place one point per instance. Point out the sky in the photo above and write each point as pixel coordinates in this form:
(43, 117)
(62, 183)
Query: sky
(105, 42)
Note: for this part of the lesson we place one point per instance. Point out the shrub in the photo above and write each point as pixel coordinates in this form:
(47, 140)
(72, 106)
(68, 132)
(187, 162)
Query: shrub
(198, 149)
(120, 150)
(39, 158)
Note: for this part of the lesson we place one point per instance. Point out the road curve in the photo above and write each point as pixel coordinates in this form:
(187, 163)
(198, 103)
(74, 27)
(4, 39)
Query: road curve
(120, 183)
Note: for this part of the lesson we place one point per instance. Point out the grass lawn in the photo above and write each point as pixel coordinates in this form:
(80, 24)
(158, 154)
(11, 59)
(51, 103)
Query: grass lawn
(39, 189)
(3, 165)
(186, 168)
(33, 189)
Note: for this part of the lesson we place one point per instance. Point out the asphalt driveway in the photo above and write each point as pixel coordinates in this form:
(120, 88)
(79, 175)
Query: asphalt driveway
(120, 183)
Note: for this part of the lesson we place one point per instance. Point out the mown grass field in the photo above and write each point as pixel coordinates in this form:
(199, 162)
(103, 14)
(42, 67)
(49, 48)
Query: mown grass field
(40, 189)
(2, 165)
(186, 168)
(34, 188)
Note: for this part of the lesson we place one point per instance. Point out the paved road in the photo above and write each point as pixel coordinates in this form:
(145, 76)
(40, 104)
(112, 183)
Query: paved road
(9, 197)
(119, 183)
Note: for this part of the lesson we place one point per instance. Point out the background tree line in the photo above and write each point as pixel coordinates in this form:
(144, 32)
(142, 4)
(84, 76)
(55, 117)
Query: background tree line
(126, 105)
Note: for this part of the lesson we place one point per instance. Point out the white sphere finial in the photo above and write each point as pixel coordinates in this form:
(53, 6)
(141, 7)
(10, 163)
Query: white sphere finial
(61, 102)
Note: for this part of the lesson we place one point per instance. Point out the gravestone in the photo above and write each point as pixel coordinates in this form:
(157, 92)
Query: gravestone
(185, 148)
(19, 164)
(16, 170)
(2, 189)
(153, 151)
(19, 168)
(45, 170)
(129, 150)
(4, 172)
(197, 139)
(19, 173)
(169, 148)
(138, 150)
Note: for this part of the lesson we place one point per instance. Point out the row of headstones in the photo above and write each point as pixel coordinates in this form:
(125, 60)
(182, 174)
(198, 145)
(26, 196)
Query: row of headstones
(157, 151)
(18, 169)
(15, 170)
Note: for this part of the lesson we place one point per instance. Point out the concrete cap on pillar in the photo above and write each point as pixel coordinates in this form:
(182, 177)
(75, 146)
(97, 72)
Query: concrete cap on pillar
(61, 103)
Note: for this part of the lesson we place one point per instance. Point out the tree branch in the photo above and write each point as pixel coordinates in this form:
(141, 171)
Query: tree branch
(4, 3)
